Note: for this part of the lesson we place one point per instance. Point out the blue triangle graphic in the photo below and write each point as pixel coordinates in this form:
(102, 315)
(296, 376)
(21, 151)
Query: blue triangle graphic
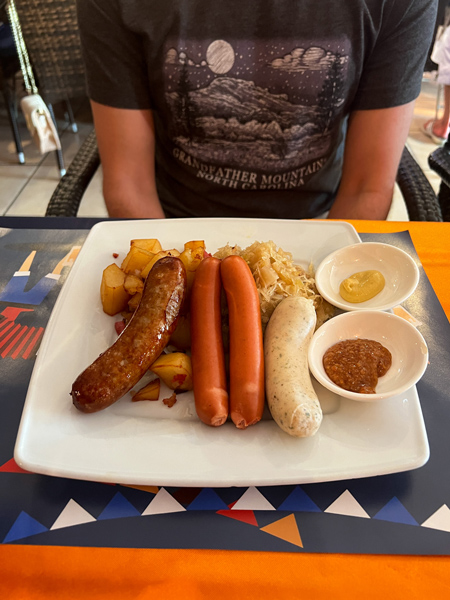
(118, 508)
(23, 527)
(395, 512)
(298, 500)
(207, 500)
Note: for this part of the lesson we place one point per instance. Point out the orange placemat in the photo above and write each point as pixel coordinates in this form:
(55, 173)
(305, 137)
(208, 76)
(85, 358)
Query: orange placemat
(432, 242)
(95, 573)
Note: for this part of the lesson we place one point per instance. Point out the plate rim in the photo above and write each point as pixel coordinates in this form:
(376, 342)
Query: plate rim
(25, 461)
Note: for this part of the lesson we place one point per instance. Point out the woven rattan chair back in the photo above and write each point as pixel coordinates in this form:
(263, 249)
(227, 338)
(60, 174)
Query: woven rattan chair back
(50, 32)
(439, 162)
(66, 198)
(420, 199)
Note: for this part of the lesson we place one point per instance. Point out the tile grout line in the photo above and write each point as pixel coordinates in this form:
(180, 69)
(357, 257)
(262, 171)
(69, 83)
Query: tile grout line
(26, 182)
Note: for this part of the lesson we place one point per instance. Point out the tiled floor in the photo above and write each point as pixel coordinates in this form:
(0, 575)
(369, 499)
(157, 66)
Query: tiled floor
(26, 189)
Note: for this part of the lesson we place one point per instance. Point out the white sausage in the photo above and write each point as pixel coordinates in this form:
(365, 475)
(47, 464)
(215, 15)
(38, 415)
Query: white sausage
(292, 401)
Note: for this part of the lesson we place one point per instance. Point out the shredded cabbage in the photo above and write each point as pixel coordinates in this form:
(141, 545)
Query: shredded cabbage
(277, 277)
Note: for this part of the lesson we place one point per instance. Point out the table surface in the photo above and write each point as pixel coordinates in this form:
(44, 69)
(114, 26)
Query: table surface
(71, 572)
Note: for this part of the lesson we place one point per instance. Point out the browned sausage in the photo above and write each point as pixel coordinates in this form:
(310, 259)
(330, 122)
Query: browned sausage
(207, 353)
(120, 367)
(246, 342)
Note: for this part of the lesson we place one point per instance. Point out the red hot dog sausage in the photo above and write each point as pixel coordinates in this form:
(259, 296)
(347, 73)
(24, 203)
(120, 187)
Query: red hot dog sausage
(246, 342)
(207, 353)
(119, 368)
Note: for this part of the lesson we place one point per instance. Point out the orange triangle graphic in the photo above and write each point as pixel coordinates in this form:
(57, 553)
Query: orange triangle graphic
(246, 516)
(286, 529)
(12, 467)
(153, 489)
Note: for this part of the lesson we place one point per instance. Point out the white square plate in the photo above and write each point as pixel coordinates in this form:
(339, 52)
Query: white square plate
(149, 443)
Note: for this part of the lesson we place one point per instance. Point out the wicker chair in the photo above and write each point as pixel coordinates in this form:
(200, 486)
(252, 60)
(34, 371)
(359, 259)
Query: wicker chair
(422, 203)
(420, 199)
(69, 192)
(439, 162)
(50, 32)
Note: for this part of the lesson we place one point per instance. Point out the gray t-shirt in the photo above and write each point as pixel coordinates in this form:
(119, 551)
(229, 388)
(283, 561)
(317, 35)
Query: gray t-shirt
(251, 99)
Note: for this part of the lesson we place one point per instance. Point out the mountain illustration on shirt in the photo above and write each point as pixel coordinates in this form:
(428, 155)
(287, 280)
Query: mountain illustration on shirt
(268, 108)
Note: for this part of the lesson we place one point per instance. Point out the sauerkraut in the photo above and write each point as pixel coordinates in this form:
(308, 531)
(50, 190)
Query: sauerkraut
(277, 276)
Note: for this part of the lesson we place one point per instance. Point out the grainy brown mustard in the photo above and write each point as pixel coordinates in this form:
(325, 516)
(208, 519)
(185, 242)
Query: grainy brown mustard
(355, 365)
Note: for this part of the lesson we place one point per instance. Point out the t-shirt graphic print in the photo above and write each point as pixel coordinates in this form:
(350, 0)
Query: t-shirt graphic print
(255, 115)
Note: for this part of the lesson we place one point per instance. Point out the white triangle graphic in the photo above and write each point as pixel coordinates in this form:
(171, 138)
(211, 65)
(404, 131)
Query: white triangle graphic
(72, 514)
(252, 499)
(347, 505)
(439, 520)
(162, 503)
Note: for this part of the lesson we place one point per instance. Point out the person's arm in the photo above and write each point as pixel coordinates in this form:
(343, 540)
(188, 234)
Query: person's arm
(126, 142)
(373, 149)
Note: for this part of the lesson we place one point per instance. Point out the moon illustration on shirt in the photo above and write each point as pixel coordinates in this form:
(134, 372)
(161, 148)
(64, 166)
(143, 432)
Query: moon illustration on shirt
(220, 57)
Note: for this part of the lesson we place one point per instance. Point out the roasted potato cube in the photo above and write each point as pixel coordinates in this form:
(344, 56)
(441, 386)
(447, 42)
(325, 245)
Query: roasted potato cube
(133, 284)
(151, 245)
(113, 294)
(148, 392)
(181, 337)
(194, 244)
(192, 257)
(175, 370)
(133, 302)
(146, 270)
(135, 260)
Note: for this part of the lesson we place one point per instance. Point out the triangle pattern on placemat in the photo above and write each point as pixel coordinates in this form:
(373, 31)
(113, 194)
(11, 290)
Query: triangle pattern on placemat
(286, 529)
(151, 489)
(395, 512)
(186, 495)
(117, 508)
(207, 499)
(12, 467)
(163, 503)
(24, 526)
(298, 500)
(347, 505)
(439, 520)
(252, 499)
(245, 516)
(72, 514)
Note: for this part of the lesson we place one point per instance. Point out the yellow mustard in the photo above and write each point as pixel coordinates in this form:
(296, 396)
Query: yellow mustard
(362, 286)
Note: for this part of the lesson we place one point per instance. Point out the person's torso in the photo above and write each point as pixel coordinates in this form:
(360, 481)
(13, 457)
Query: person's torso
(250, 100)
